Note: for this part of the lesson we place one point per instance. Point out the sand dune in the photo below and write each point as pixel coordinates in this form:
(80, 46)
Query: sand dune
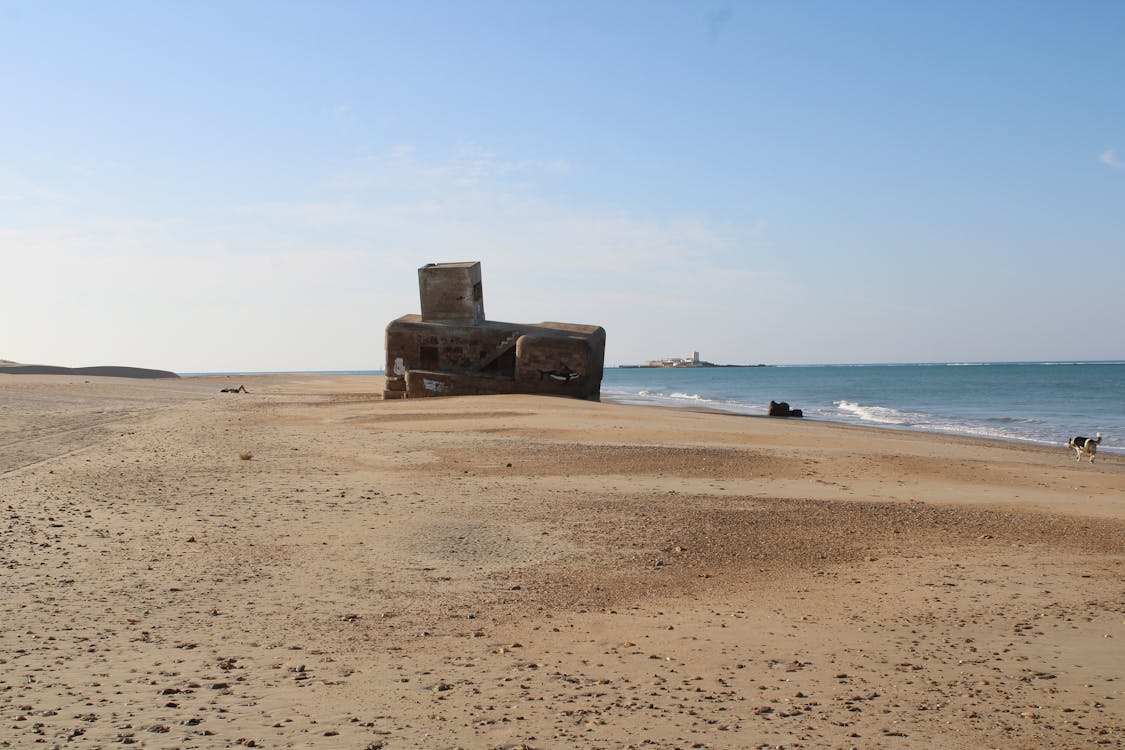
(110, 371)
(308, 566)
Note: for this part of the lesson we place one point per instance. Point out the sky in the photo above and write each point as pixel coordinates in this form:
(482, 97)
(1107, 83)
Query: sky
(251, 186)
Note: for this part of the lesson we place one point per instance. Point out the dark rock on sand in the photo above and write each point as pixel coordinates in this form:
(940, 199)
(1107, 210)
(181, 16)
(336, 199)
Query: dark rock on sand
(781, 409)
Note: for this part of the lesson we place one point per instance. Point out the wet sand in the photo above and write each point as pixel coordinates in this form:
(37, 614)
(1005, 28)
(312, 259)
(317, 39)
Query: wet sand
(309, 566)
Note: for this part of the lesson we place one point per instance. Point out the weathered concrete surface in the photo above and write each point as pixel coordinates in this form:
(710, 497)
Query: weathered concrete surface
(451, 292)
(450, 349)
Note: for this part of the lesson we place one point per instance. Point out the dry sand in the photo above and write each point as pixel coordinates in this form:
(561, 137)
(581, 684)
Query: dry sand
(514, 571)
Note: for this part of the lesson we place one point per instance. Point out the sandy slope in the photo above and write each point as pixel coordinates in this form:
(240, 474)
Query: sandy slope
(521, 571)
(14, 368)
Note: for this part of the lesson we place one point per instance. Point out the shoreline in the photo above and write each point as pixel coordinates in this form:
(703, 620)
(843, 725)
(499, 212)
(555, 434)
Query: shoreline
(898, 429)
(1026, 403)
(620, 401)
(141, 374)
(144, 373)
(623, 401)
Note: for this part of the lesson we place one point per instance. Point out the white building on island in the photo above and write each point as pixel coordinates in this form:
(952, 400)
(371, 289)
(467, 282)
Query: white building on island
(692, 361)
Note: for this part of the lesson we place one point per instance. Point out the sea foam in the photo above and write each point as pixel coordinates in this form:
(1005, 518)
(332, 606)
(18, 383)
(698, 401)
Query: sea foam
(880, 414)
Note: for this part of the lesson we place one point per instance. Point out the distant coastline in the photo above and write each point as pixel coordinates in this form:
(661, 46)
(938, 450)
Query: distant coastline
(106, 371)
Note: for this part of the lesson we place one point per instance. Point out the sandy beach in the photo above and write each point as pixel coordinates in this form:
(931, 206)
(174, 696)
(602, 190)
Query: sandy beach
(307, 565)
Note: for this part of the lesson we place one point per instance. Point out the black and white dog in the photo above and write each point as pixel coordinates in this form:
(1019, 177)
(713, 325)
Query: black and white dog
(1085, 446)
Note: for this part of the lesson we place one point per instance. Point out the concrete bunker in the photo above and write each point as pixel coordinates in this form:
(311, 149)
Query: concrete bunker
(452, 350)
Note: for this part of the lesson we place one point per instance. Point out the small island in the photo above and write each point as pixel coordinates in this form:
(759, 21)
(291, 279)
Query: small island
(692, 361)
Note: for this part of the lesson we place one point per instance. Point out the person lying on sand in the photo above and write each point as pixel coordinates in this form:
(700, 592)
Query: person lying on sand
(239, 389)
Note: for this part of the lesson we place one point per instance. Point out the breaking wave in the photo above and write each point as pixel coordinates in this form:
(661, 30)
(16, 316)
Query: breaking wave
(880, 414)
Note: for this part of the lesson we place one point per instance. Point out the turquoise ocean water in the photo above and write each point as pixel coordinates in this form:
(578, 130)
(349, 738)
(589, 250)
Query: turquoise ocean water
(1033, 402)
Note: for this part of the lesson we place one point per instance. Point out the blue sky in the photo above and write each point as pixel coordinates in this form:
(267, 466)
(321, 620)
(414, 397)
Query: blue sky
(250, 186)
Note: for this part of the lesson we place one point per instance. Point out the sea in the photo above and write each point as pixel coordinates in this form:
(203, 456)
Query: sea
(1042, 403)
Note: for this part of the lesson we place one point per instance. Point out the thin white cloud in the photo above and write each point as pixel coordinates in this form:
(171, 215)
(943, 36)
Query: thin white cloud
(313, 277)
(34, 194)
(469, 166)
(1109, 158)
